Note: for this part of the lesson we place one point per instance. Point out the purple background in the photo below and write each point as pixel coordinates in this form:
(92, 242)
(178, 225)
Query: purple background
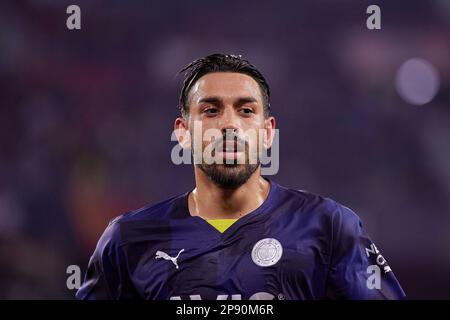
(86, 118)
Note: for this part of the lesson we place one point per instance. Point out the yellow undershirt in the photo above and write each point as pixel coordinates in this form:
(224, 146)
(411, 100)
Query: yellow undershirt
(222, 224)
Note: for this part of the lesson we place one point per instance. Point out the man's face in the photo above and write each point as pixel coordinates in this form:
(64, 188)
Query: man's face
(232, 105)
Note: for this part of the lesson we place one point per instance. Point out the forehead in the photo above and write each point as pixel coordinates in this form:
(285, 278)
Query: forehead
(226, 85)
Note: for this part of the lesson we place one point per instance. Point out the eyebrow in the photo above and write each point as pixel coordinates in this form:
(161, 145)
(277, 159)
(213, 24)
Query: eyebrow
(217, 100)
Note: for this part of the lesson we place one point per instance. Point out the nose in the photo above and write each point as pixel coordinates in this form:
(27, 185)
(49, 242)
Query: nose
(229, 121)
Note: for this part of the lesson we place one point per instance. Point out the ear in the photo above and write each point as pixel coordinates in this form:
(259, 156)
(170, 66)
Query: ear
(269, 127)
(181, 129)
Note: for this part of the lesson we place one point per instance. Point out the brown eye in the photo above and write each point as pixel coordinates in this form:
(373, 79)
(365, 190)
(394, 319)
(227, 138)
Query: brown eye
(246, 111)
(210, 111)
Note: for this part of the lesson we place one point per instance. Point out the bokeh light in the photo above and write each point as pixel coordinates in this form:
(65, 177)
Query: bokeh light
(417, 81)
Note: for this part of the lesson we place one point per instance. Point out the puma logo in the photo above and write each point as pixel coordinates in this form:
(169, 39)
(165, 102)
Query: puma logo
(161, 254)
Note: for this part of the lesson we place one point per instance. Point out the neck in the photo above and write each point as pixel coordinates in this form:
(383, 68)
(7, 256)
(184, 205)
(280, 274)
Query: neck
(209, 201)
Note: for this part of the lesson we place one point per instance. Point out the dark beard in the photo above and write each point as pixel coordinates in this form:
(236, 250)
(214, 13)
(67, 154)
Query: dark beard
(228, 176)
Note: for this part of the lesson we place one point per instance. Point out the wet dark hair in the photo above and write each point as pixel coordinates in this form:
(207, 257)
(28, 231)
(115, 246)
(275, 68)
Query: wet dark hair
(220, 62)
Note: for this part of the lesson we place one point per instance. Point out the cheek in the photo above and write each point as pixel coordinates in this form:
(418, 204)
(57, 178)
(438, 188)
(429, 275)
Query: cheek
(257, 123)
(252, 145)
(254, 131)
(203, 124)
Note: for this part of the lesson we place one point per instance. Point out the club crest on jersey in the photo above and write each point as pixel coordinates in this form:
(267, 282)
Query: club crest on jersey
(267, 252)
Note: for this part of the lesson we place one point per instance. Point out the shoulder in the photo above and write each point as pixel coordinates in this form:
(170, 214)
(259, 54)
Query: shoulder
(132, 224)
(159, 210)
(319, 206)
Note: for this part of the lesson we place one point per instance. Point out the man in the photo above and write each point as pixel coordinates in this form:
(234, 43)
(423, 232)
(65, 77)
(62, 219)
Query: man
(236, 235)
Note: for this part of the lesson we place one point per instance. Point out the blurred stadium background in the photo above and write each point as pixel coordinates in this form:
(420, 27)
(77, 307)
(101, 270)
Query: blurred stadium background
(86, 118)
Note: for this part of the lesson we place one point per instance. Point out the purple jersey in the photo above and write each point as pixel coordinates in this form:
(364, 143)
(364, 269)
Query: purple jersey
(296, 245)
